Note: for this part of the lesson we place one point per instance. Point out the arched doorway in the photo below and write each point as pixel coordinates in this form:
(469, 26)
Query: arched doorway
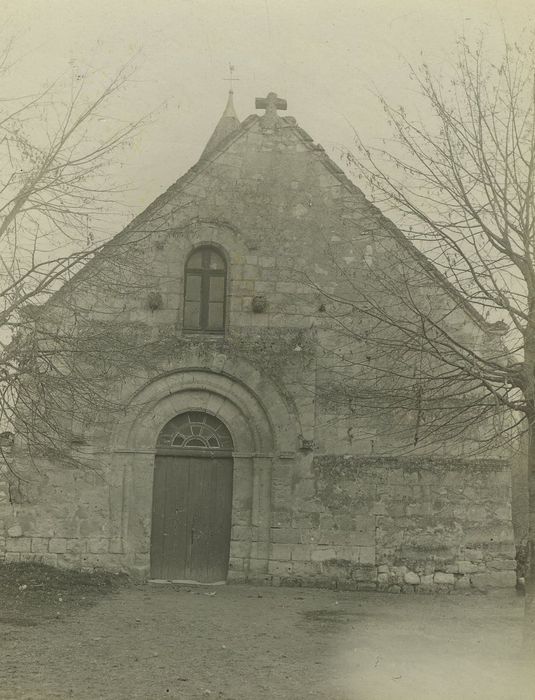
(192, 500)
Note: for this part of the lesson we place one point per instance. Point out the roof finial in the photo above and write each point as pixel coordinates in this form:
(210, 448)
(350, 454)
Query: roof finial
(231, 77)
(271, 104)
(228, 123)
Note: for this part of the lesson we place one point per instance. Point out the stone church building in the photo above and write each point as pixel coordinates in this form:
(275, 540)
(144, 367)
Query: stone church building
(220, 458)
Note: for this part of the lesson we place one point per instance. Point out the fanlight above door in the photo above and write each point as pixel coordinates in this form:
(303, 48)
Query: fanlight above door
(195, 431)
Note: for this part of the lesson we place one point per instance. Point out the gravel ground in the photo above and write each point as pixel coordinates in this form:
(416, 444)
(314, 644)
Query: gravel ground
(242, 643)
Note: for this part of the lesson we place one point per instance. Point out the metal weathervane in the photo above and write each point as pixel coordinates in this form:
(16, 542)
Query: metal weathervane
(231, 77)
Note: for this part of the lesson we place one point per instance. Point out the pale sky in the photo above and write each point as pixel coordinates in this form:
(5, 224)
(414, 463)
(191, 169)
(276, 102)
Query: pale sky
(324, 56)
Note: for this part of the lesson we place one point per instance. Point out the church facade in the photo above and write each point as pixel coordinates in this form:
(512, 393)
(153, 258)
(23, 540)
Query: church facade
(226, 460)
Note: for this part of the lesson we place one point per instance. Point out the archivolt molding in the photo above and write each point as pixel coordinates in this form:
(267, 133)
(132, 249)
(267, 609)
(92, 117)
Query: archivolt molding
(217, 232)
(258, 418)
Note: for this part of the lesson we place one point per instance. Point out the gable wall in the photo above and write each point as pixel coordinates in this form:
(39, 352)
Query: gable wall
(387, 521)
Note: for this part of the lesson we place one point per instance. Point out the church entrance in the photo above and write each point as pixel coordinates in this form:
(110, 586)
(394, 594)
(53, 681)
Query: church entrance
(192, 500)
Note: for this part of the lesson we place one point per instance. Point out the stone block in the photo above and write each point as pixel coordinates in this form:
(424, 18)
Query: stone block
(140, 559)
(301, 552)
(31, 557)
(278, 568)
(411, 578)
(258, 565)
(236, 564)
(281, 497)
(323, 553)
(241, 532)
(50, 559)
(69, 560)
(92, 561)
(395, 477)
(306, 568)
(12, 557)
(463, 582)
(76, 544)
(39, 545)
(305, 489)
(240, 548)
(14, 531)
(237, 577)
(472, 513)
(493, 579)
(418, 509)
(57, 545)
(339, 584)
(331, 537)
(441, 578)
(116, 545)
(258, 550)
(467, 567)
(399, 572)
(362, 538)
(502, 564)
(506, 549)
(308, 536)
(366, 586)
(285, 535)
(18, 544)
(98, 545)
(306, 522)
(367, 555)
(309, 506)
(139, 573)
(473, 554)
(364, 573)
(281, 552)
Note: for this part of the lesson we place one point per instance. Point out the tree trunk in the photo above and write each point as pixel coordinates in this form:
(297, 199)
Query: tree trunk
(529, 617)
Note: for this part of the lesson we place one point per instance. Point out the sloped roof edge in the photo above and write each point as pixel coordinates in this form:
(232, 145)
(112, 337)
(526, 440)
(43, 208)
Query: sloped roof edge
(188, 176)
(206, 159)
(420, 257)
(227, 124)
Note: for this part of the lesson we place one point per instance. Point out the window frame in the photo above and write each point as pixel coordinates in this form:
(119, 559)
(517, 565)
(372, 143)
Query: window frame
(206, 274)
(195, 421)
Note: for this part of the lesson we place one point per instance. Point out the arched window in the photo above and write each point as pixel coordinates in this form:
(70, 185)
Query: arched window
(195, 430)
(205, 289)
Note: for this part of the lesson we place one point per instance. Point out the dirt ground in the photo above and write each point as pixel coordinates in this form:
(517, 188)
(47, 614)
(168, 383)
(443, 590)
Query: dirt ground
(242, 643)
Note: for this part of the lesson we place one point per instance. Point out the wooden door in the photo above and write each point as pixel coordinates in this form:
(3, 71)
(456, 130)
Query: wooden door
(191, 517)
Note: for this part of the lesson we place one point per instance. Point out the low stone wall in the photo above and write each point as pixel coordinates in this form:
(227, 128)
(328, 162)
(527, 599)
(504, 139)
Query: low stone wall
(399, 525)
(76, 553)
(58, 517)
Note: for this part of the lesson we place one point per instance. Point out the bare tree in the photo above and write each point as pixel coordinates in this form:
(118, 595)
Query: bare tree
(459, 184)
(57, 149)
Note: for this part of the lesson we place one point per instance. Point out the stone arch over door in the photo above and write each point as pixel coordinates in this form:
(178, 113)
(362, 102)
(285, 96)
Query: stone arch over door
(264, 432)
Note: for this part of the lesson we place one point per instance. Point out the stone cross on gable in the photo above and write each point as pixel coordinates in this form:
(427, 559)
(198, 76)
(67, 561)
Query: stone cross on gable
(271, 104)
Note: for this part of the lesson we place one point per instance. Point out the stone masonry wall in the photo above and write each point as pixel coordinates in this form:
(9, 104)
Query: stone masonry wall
(356, 523)
(398, 525)
(60, 518)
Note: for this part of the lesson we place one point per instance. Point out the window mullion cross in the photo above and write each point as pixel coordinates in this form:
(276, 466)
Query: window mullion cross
(209, 281)
(205, 289)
